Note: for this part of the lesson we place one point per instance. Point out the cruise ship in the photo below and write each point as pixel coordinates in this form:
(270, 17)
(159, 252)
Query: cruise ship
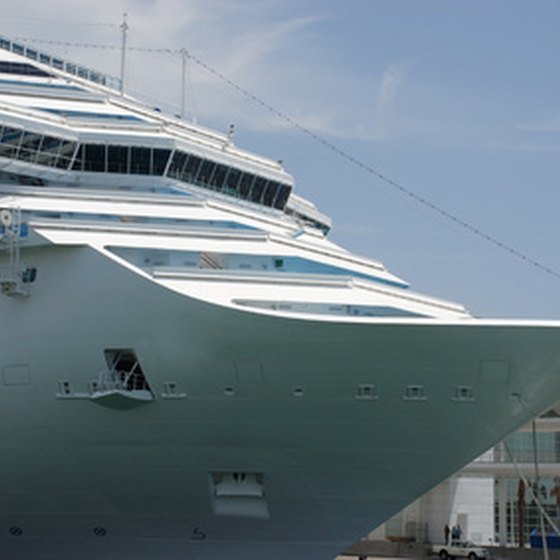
(190, 368)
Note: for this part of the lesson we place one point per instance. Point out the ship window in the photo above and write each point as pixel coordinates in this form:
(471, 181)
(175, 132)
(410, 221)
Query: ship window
(245, 184)
(191, 169)
(67, 149)
(21, 68)
(31, 53)
(95, 156)
(216, 176)
(10, 141)
(31, 141)
(17, 48)
(219, 177)
(117, 159)
(139, 160)
(463, 393)
(232, 181)
(78, 160)
(258, 188)
(282, 197)
(48, 154)
(270, 193)
(29, 146)
(205, 173)
(366, 392)
(177, 163)
(415, 393)
(161, 157)
(57, 63)
(45, 58)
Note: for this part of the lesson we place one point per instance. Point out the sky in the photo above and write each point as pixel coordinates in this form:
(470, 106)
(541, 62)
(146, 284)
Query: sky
(456, 101)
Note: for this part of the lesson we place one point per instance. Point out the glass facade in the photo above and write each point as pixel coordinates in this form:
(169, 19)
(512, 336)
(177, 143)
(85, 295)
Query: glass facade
(21, 68)
(33, 147)
(218, 177)
(53, 151)
(134, 160)
(522, 514)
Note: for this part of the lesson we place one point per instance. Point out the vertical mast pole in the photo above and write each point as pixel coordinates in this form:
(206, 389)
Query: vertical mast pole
(124, 27)
(183, 80)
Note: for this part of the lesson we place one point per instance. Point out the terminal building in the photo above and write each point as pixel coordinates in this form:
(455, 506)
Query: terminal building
(488, 498)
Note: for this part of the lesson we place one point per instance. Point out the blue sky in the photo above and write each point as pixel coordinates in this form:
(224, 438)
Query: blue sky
(457, 100)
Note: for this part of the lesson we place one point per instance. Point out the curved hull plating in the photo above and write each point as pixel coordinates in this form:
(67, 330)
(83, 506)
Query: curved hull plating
(338, 423)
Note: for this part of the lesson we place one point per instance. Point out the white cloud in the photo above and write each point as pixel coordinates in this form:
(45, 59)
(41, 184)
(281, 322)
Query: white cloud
(391, 81)
(384, 117)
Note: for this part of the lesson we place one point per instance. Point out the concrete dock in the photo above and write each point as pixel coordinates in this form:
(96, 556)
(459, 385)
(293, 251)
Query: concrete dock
(381, 550)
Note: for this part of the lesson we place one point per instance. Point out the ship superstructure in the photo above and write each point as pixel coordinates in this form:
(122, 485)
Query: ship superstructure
(190, 368)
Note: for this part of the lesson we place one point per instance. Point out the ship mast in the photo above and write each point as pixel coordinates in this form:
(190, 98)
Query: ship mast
(124, 27)
(183, 78)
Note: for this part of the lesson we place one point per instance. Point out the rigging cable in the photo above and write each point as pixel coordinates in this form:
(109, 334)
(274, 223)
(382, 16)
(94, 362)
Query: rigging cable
(379, 176)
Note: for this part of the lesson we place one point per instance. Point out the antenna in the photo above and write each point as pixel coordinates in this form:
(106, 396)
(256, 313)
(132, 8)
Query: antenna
(124, 27)
(184, 56)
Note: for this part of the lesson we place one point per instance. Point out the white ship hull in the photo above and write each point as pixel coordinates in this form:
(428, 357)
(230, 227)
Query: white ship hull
(135, 482)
